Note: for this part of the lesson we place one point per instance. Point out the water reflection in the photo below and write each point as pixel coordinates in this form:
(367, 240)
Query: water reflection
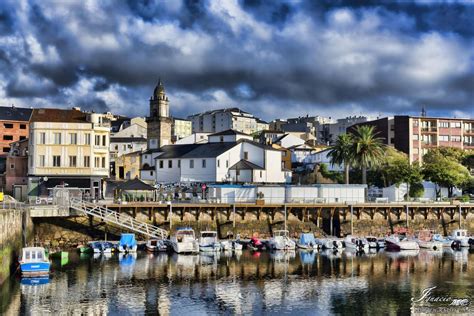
(330, 282)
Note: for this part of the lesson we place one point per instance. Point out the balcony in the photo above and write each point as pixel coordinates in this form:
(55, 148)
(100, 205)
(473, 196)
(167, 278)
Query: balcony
(469, 131)
(429, 129)
(468, 144)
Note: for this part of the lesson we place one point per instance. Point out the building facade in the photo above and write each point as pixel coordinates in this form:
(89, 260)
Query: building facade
(13, 126)
(415, 135)
(68, 147)
(239, 160)
(180, 129)
(16, 172)
(224, 119)
(159, 121)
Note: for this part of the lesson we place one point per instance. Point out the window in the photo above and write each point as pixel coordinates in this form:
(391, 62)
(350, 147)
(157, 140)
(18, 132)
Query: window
(7, 137)
(170, 163)
(151, 173)
(22, 137)
(227, 163)
(191, 164)
(41, 160)
(12, 166)
(42, 138)
(237, 172)
(87, 140)
(161, 164)
(87, 161)
(57, 138)
(204, 163)
(222, 139)
(218, 163)
(260, 173)
(415, 123)
(179, 163)
(103, 162)
(456, 124)
(56, 161)
(72, 161)
(444, 138)
(97, 140)
(246, 155)
(22, 126)
(455, 138)
(7, 125)
(6, 149)
(73, 138)
(96, 162)
(416, 137)
(104, 140)
(443, 124)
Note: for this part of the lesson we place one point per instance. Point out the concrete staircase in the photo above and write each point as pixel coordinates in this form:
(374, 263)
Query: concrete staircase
(118, 219)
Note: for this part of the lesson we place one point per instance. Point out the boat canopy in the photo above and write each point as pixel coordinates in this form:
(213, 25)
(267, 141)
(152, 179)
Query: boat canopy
(208, 234)
(128, 240)
(281, 233)
(33, 254)
(307, 239)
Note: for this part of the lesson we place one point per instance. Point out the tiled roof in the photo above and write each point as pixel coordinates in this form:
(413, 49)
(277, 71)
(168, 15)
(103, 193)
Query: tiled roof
(12, 113)
(58, 116)
(127, 140)
(228, 132)
(245, 165)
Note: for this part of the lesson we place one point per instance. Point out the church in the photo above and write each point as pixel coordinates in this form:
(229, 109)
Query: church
(228, 156)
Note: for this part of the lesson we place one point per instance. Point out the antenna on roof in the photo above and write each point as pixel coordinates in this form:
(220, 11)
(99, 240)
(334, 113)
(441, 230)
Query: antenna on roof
(423, 111)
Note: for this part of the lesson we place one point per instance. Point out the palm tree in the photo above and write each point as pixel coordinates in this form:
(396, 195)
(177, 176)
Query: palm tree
(341, 153)
(368, 150)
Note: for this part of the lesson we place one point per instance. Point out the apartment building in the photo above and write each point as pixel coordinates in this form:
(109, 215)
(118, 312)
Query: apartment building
(13, 126)
(415, 135)
(224, 119)
(68, 147)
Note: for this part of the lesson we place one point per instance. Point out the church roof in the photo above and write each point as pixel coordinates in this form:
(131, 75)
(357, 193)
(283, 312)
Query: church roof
(159, 88)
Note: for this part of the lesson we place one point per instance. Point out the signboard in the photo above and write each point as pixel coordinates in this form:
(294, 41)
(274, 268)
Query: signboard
(1, 196)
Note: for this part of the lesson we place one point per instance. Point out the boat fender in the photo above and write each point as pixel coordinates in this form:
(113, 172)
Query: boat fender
(456, 244)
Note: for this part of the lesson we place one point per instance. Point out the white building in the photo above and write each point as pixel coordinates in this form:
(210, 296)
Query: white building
(224, 119)
(328, 132)
(227, 157)
(68, 147)
(321, 157)
(196, 138)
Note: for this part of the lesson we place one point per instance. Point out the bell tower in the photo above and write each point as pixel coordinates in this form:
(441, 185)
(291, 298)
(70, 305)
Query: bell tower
(159, 120)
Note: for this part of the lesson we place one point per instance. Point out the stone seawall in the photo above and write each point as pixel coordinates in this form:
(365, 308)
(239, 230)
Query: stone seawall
(67, 232)
(15, 230)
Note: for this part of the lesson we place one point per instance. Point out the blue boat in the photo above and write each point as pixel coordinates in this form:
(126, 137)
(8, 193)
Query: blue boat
(307, 242)
(127, 243)
(34, 281)
(33, 262)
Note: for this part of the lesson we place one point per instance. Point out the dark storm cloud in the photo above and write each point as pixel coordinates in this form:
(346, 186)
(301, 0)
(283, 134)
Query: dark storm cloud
(317, 57)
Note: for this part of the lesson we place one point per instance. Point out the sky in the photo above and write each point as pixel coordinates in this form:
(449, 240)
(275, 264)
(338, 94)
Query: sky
(275, 59)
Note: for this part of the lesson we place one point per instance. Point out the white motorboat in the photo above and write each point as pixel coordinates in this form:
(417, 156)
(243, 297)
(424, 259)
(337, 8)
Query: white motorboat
(307, 242)
(237, 245)
(184, 241)
(226, 245)
(156, 245)
(446, 242)
(375, 243)
(281, 241)
(397, 243)
(425, 241)
(358, 244)
(208, 242)
(460, 235)
(329, 243)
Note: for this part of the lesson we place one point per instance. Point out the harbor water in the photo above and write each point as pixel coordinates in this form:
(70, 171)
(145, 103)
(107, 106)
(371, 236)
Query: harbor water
(246, 282)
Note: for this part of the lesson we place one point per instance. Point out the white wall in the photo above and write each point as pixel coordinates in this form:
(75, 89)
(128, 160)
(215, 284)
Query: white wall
(291, 140)
(198, 173)
(342, 193)
(272, 195)
(195, 138)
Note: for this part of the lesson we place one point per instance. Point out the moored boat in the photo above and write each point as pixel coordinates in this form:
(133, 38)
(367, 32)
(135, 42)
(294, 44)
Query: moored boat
(329, 243)
(33, 262)
(460, 235)
(375, 243)
(127, 243)
(307, 242)
(256, 244)
(425, 240)
(184, 241)
(397, 243)
(281, 241)
(208, 242)
(446, 242)
(358, 244)
(156, 245)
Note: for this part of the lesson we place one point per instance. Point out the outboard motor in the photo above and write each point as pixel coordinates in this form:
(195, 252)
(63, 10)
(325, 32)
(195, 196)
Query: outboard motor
(471, 242)
(456, 245)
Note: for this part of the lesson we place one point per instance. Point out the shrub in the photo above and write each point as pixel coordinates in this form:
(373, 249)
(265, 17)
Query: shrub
(416, 190)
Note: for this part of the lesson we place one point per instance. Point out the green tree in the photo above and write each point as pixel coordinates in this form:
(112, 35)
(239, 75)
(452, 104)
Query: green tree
(445, 170)
(341, 153)
(368, 149)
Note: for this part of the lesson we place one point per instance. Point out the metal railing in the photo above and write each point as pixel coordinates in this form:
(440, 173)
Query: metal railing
(116, 218)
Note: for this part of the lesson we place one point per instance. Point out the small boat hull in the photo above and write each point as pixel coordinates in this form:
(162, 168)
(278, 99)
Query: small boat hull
(34, 269)
(432, 245)
(185, 247)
